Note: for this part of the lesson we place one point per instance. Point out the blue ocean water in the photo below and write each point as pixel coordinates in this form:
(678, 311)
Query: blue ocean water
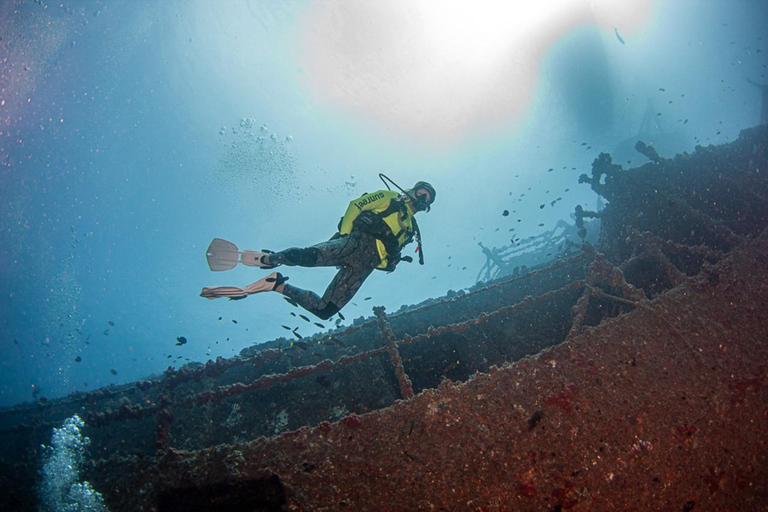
(134, 132)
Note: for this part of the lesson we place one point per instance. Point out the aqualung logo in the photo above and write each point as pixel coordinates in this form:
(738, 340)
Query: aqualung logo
(369, 199)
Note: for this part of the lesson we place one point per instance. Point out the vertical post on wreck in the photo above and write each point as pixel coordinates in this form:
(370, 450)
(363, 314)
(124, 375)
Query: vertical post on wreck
(163, 427)
(406, 388)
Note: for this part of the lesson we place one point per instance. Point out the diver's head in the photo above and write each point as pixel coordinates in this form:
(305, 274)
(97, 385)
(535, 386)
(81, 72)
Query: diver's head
(422, 196)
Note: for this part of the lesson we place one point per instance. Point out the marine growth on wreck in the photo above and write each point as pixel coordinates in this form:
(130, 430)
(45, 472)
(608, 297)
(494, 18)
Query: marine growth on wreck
(586, 332)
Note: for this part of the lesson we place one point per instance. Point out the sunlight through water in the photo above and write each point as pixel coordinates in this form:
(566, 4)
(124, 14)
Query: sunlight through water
(442, 70)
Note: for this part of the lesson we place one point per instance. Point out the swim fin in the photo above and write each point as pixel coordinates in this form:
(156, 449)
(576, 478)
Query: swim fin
(265, 284)
(223, 255)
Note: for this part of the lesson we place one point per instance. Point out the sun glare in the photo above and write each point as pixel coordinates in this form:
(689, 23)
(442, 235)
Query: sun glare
(440, 69)
(483, 31)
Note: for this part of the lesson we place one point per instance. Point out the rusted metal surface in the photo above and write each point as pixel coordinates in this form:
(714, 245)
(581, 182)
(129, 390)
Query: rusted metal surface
(406, 387)
(664, 408)
(631, 376)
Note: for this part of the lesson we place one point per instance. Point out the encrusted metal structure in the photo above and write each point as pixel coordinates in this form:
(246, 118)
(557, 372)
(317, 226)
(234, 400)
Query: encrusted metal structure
(630, 375)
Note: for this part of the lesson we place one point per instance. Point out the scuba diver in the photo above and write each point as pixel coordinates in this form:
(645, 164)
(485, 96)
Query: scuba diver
(371, 234)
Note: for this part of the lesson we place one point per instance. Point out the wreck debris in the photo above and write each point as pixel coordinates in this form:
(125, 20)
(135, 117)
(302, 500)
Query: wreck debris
(679, 268)
(406, 388)
(648, 151)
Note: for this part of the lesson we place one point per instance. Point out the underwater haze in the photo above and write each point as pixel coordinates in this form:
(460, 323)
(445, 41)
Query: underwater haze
(134, 132)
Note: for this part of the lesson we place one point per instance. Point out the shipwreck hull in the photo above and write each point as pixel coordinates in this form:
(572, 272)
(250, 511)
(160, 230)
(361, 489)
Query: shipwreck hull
(630, 376)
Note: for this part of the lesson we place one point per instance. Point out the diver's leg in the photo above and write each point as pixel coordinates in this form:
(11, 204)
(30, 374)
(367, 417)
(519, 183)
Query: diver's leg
(356, 266)
(325, 254)
(343, 287)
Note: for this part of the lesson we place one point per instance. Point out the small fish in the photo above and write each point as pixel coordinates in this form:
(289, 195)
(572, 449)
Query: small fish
(368, 298)
(169, 356)
(304, 318)
(320, 325)
(618, 36)
(505, 213)
(583, 143)
(234, 321)
(541, 224)
(541, 206)
(111, 323)
(78, 359)
(113, 372)
(219, 318)
(338, 321)
(181, 340)
(106, 332)
(286, 327)
(340, 315)
(297, 334)
(451, 367)
(662, 89)
(293, 314)
(685, 122)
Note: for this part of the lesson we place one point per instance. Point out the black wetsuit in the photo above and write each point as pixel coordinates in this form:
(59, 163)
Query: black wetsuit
(356, 254)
